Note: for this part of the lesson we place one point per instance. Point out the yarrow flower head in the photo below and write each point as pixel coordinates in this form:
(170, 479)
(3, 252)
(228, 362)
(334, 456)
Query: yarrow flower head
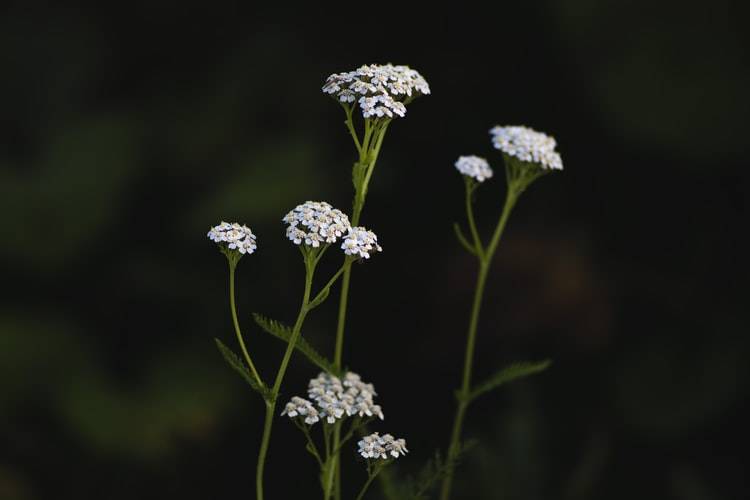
(527, 145)
(333, 398)
(301, 407)
(381, 447)
(474, 167)
(381, 90)
(360, 243)
(233, 237)
(315, 222)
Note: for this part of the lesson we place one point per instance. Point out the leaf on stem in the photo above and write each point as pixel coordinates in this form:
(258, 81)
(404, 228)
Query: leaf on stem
(508, 374)
(435, 470)
(237, 365)
(284, 333)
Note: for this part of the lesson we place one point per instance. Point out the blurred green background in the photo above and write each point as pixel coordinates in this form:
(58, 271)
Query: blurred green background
(128, 131)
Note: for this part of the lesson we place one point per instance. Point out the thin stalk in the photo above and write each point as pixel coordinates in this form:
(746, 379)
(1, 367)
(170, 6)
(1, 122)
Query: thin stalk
(365, 154)
(271, 405)
(478, 247)
(369, 481)
(233, 307)
(350, 127)
(330, 282)
(485, 260)
(333, 452)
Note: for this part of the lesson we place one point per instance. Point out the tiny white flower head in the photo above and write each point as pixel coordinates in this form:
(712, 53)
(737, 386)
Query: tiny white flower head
(360, 243)
(314, 223)
(233, 237)
(300, 407)
(382, 447)
(474, 167)
(381, 90)
(527, 145)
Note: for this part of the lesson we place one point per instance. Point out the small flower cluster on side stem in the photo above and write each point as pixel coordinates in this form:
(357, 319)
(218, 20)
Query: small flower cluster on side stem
(527, 155)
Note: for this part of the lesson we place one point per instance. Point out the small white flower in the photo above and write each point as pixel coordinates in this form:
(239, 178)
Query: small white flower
(474, 166)
(234, 237)
(378, 89)
(527, 145)
(381, 447)
(314, 223)
(360, 243)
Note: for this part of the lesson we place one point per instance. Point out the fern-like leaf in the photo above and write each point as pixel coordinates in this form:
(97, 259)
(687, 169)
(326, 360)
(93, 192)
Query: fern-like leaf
(508, 374)
(284, 333)
(436, 469)
(237, 365)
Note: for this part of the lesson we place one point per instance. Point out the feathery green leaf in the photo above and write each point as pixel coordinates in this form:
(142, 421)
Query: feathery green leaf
(284, 333)
(237, 365)
(507, 374)
(435, 470)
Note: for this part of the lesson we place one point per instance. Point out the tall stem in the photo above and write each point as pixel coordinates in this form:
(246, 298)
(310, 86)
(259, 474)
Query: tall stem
(271, 405)
(485, 260)
(365, 153)
(233, 307)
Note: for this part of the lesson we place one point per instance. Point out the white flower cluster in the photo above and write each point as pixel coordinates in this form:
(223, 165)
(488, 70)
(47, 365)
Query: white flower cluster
(527, 145)
(300, 406)
(377, 446)
(333, 398)
(236, 237)
(315, 222)
(360, 242)
(378, 89)
(474, 166)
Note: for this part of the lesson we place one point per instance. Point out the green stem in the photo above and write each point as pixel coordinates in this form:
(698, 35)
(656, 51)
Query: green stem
(267, 425)
(233, 307)
(271, 405)
(478, 247)
(330, 283)
(485, 260)
(338, 354)
(370, 478)
(350, 126)
(359, 202)
(333, 452)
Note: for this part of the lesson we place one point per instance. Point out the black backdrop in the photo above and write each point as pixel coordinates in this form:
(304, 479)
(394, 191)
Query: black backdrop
(128, 131)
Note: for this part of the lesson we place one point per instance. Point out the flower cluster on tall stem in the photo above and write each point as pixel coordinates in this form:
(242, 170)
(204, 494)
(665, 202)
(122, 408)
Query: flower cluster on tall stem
(379, 93)
(527, 155)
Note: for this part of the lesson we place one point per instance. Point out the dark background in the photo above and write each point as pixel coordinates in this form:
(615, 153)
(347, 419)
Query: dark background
(128, 131)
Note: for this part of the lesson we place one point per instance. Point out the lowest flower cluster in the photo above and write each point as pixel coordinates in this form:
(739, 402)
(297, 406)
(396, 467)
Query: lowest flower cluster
(380, 90)
(527, 145)
(380, 447)
(333, 399)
